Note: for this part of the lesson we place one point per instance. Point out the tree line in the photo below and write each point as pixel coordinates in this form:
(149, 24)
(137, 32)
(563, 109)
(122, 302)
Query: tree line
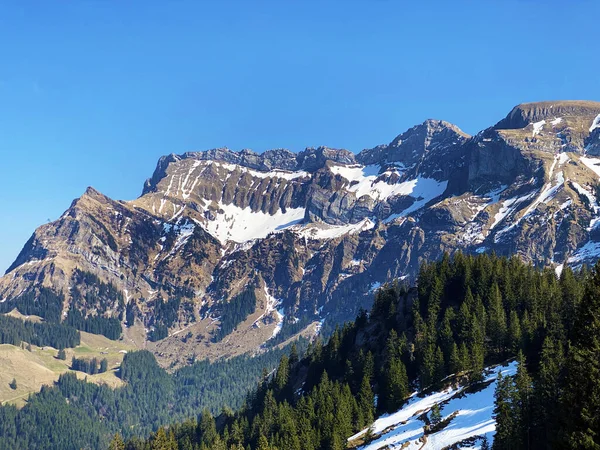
(14, 331)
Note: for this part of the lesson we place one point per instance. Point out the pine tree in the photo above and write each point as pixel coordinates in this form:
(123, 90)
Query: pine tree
(365, 403)
(62, 354)
(582, 394)
(523, 400)
(117, 443)
(207, 429)
(504, 413)
(496, 320)
(282, 374)
(436, 415)
(162, 441)
(454, 363)
(440, 366)
(547, 394)
(13, 384)
(396, 385)
(485, 445)
(514, 332)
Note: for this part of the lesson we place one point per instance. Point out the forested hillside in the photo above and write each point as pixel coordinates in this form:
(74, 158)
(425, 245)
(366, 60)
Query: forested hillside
(75, 414)
(467, 312)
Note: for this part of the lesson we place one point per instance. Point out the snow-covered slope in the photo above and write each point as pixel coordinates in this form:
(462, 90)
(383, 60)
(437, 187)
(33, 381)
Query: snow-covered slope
(468, 413)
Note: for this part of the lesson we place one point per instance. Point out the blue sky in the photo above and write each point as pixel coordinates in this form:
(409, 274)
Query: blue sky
(93, 93)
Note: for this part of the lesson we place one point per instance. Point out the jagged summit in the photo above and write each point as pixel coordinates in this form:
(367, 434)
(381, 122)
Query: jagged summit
(407, 149)
(411, 146)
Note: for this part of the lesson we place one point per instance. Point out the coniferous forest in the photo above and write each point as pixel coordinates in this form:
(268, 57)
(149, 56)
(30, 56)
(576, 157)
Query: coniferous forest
(75, 414)
(467, 312)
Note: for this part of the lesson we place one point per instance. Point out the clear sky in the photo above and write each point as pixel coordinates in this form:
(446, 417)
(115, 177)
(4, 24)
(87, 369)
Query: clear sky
(94, 92)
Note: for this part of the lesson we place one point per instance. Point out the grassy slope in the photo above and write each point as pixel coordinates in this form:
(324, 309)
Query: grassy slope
(40, 366)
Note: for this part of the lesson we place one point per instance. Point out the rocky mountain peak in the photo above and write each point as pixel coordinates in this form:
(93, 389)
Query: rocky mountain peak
(415, 143)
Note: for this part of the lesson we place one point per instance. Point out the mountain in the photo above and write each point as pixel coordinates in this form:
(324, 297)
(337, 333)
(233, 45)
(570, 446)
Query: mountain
(228, 252)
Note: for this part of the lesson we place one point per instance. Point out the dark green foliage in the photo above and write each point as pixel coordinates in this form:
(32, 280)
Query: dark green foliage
(13, 384)
(91, 366)
(107, 326)
(14, 331)
(235, 312)
(467, 312)
(88, 294)
(554, 402)
(61, 354)
(165, 315)
(435, 416)
(150, 398)
(582, 379)
(39, 302)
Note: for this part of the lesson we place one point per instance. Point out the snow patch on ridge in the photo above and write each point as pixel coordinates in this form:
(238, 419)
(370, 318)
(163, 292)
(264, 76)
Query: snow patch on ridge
(325, 231)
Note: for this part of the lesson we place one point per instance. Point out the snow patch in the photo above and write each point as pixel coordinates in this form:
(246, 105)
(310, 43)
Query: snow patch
(473, 416)
(595, 123)
(242, 224)
(591, 250)
(324, 231)
(592, 201)
(423, 190)
(591, 163)
(537, 127)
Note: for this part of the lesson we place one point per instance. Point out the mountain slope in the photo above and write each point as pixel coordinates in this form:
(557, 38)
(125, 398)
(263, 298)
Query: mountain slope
(466, 417)
(267, 245)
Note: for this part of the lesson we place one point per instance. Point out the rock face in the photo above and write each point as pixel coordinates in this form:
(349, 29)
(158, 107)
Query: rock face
(307, 237)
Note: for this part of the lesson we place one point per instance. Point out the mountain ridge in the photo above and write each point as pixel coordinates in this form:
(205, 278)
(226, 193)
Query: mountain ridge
(303, 230)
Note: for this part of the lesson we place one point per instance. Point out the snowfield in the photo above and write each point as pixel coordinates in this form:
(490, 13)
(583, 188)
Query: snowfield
(242, 224)
(472, 418)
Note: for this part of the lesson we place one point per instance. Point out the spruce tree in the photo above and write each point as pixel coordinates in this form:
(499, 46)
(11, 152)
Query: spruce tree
(582, 394)
(365, 403)
(117, 443)
(523, 403)
(504, 413)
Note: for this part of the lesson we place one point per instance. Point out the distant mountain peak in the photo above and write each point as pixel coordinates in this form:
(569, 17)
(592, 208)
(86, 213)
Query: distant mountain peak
(526, 113)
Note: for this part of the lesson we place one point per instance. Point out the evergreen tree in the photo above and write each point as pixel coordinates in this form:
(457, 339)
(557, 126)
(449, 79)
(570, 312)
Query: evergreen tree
(504, 413)
(523, 403)
(207, 429)
(547, 394)
(496, 319)
(365, 403)
(436, 415)
(581, 404)
(117, 443)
